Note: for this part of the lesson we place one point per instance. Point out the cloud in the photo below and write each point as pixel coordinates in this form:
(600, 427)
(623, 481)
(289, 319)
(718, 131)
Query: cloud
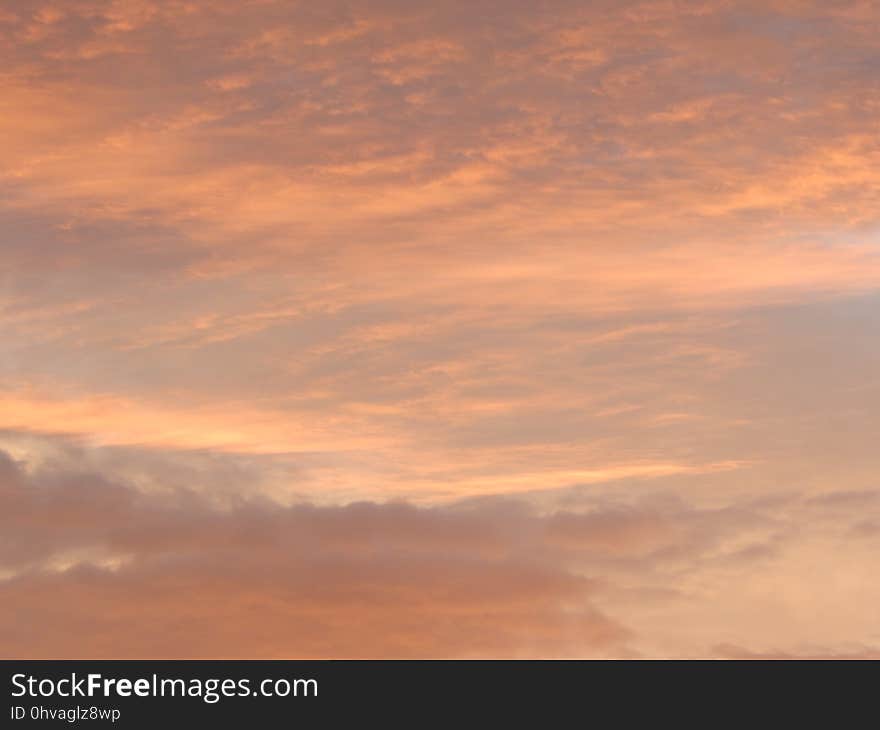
(100, 570)
(94, 566)
(291, 137)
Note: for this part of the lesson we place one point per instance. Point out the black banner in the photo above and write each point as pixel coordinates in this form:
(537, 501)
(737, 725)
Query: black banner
(136, 694)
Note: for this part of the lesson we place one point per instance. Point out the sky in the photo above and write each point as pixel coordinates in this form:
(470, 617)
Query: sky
(482, 328)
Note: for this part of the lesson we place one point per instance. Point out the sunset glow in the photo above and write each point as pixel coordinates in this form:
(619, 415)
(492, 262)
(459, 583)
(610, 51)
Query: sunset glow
(447, 329)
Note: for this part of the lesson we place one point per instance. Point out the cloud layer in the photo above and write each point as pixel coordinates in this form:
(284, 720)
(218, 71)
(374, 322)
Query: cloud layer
(468, 328)
(101, 569)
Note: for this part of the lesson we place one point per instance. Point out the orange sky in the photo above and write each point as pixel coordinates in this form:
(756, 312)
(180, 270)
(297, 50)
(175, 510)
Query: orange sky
(489, 328)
